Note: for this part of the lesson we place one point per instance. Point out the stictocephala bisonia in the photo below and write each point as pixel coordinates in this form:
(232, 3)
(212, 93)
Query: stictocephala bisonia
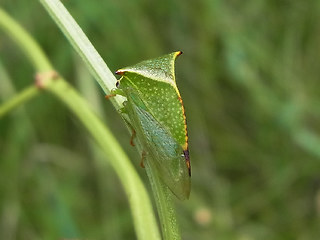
(155, 112)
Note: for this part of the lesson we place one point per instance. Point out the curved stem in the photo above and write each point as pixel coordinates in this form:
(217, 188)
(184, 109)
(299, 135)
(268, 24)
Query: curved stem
(144, 220)
(26, 43)
(106, 80)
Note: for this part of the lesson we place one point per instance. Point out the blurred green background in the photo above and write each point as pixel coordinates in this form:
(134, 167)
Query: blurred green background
(249, 77)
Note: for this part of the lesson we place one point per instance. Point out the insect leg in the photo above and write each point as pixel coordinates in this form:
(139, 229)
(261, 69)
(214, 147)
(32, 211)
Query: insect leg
(143, 157)
(115, 92)
(134, 133)
(133, 137)
(109, 96)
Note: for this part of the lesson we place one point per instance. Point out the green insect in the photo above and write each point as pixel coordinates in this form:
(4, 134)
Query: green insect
(155, 112)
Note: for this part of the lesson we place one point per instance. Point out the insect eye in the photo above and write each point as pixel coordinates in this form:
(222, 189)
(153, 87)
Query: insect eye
(117, 83)
(185, 155)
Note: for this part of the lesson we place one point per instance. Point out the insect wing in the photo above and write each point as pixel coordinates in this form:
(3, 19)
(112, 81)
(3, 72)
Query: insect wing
(161, 147)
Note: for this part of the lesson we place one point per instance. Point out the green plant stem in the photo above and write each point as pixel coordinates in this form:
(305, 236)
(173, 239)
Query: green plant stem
(19, 99)
(106, 80)
(84, 48)
(141, 208)
(164, 202)
(144, 220)
(28, 46)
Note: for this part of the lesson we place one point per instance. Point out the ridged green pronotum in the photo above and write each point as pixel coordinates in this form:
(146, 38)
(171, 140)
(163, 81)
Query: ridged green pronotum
(155, 112)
